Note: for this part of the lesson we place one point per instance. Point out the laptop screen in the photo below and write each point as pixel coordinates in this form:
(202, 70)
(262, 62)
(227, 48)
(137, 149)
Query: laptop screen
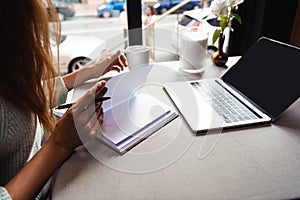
(268, 74)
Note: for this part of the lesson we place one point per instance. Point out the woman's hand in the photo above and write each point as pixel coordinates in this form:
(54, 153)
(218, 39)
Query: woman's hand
(113, 61)
(81, 122)
(109, 62)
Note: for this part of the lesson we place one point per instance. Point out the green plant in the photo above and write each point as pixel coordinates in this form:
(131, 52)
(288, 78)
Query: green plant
(224, 10)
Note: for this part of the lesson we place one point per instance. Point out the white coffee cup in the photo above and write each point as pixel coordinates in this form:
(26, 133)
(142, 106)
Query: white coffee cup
(137, 56)
(193, 50)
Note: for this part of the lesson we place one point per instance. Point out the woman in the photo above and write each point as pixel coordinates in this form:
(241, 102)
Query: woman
(149, 23)
(29, 89)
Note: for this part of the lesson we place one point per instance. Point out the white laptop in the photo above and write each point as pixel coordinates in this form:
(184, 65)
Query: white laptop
(257, 89)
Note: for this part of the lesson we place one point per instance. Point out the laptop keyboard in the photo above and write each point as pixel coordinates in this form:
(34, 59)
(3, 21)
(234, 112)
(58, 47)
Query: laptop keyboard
(225, 104)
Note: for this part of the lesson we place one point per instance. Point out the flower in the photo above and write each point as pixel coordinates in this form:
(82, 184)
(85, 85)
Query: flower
(224, 10)
(233, 3)
(219, 7)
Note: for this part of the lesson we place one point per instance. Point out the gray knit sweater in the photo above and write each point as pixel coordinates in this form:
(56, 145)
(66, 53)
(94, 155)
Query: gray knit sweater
(20, 137)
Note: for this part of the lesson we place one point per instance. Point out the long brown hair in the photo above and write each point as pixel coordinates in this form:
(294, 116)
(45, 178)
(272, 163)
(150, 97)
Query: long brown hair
(26, 66)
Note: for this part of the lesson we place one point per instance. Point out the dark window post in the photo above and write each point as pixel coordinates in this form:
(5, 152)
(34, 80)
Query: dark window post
(134, 17)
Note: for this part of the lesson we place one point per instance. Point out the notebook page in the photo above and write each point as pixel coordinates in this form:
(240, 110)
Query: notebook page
(124, 86)
(130, 117)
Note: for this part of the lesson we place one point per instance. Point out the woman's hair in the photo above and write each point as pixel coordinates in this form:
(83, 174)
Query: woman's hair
(151, 9)
(26, 67)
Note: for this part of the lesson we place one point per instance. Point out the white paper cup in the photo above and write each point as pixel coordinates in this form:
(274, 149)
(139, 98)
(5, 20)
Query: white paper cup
(137, 56)
(193, 50)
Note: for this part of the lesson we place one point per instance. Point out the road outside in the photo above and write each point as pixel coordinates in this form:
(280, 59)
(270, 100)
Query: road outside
(87, 23)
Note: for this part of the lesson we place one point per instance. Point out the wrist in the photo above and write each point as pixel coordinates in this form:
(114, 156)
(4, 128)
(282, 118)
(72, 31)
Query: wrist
(88, 72)
(59, 147)
(79, 76)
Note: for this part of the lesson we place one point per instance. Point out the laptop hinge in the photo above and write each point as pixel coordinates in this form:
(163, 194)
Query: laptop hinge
(226, 85)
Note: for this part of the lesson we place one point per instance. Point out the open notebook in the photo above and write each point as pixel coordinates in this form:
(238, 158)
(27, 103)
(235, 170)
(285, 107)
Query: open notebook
(130, 116)
(130, 122)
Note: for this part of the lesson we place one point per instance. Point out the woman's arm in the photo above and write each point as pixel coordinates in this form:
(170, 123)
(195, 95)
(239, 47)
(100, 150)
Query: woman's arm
(110, 62)
(61, 144)
(30, 180)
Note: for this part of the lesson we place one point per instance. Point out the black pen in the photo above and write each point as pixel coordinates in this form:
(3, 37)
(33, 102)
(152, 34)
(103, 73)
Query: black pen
(68, 105)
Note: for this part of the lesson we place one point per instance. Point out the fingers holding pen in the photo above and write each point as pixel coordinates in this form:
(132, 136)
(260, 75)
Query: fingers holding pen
(92, 125)
(94, 118)
(88, 99)
(82, 120)
(86, 110)
(97, 120)
(91, 104)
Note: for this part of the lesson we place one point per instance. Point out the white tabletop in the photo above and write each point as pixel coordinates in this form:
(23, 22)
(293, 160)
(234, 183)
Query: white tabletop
(248, 163)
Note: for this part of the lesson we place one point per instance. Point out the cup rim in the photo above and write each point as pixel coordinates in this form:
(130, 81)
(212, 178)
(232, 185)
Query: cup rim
(137, 48)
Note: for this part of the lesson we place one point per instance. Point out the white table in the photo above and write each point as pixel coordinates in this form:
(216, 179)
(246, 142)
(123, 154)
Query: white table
(251, 163)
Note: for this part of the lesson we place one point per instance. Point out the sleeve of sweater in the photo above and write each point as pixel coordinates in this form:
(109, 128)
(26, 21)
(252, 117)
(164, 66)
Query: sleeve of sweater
(4, 194)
